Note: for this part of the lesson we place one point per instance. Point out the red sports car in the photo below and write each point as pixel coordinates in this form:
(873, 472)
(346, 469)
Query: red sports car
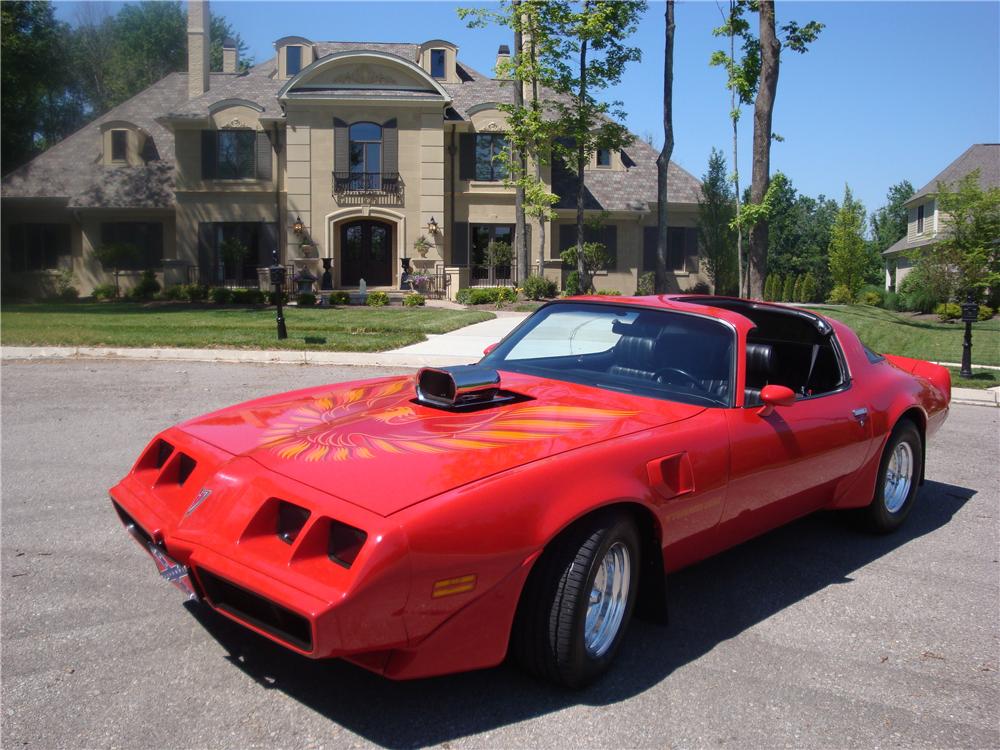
(528, 503)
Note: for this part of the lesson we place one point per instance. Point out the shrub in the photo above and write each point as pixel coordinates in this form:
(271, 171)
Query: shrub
(248, 296)
(925, 286)
(890, 301)
(174, 293)
(948, 311)
(700, 288)
(195, 292)
(306, 299)
(538, 287)
(340, 298)
(810, 289)
(273, 297)
(221, 296)
(788, 289)
(841, 295)
(572, 287)
(646, 285)
(414, 300)
(377, 299)
(72, 294)
(986, 312)
(608, 293)
(486, 295)
(104, 291)
(872, 299)
(147, 287)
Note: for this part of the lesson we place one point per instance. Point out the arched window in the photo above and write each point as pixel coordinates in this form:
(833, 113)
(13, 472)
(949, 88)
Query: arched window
(366, 156)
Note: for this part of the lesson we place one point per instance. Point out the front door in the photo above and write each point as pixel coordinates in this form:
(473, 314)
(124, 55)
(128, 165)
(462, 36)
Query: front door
(366, 253)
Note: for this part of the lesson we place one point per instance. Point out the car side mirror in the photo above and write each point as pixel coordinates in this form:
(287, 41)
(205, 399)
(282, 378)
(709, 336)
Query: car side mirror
(775, 395)
(491, 347)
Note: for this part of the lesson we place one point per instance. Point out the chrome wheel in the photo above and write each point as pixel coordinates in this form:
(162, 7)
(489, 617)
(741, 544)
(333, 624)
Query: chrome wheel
(608, 600)
(898, 477)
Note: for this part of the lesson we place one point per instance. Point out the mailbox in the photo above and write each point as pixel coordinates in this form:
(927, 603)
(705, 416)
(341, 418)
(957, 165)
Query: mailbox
(970, 312)
(277, 275)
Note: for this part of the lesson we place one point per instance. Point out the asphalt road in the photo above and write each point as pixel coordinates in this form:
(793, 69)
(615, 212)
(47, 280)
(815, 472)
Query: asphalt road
(812, 636)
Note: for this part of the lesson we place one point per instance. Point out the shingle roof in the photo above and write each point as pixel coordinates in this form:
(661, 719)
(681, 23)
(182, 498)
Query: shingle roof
(982, 156)
(72, 169)
(901, 245)
(630, 190)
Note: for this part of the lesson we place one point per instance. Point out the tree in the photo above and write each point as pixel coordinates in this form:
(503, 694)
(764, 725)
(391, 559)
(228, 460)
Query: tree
(37, 106)
(971, 243)
(594, 258)
(849, 256)
(595, 37)
(663, 159)
(796, 38)
(716, 211)
(889, 222)
(115, 256)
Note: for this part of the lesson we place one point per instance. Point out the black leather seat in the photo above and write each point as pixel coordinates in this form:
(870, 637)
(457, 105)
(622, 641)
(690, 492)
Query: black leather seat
(761, 367)
(633, 356)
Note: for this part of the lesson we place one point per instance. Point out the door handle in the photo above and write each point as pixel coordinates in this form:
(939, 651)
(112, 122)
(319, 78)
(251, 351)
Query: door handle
(860, 414)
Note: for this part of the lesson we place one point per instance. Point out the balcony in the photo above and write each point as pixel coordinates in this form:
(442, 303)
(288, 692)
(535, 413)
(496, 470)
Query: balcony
(368, 188)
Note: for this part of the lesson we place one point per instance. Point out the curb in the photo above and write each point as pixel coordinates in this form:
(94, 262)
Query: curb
(370, 359)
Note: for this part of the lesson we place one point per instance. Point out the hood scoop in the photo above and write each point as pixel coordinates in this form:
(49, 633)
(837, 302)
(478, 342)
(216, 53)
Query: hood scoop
(462, 387)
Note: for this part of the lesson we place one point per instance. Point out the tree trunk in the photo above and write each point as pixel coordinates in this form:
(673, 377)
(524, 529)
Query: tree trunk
(733, 104)
(520, 243)
(538, 161)
(581, 163)
(770, 50)
(663, 160)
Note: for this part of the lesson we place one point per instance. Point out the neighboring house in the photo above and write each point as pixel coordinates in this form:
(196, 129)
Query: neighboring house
(362, 147)
(925, 223)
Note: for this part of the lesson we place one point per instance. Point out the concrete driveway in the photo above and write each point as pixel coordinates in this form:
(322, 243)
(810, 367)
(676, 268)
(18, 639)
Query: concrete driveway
(812, 636)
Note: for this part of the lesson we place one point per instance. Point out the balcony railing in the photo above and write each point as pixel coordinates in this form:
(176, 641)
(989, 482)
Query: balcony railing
(383, 183)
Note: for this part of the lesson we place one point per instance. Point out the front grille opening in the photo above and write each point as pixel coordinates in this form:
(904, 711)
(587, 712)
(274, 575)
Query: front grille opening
(156, 455)
(262, 613)
(178, 469)
(131, 525)
(291, 519)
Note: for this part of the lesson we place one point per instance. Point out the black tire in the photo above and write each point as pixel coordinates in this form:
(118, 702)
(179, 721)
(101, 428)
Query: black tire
(885, 514)
(548, 638)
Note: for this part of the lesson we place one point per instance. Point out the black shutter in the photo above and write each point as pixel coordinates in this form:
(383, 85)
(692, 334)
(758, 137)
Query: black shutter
(675, 248)
(206, 252)
(650, 236)
(208, 158)
(691, 248)
(460, 243)
(567, 238)
(467, 156)
(263, 156)
(341, 147)
(611, 246)
(390, 147)
(267, 243)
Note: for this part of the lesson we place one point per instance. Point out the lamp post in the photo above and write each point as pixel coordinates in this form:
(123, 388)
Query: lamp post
(970, 314)
(277, 272)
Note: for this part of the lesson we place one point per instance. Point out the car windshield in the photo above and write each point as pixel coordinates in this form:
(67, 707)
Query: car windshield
(655, 353)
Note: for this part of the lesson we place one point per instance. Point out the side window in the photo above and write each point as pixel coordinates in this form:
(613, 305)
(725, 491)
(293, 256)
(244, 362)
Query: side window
(488, 147)
(920, 219)
(293, 60)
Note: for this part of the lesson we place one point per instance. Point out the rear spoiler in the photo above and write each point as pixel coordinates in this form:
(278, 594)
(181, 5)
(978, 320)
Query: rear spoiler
(937, 374)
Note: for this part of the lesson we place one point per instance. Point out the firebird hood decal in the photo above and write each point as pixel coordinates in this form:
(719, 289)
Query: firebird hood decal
(373, 445)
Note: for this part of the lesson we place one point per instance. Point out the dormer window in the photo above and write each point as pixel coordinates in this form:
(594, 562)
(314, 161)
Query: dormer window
(604, 157)
(920, 219)
(119, 145)
(437, 63)
(293, 60)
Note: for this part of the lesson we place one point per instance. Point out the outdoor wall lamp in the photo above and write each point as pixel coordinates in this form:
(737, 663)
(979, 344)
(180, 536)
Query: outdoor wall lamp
(432, 226)
(298, 227)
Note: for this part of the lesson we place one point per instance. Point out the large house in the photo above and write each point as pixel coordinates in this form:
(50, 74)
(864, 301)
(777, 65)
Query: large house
(334, 154)
(925, 222)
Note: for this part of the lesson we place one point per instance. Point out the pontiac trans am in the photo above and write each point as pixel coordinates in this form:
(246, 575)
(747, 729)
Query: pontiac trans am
(527, 504)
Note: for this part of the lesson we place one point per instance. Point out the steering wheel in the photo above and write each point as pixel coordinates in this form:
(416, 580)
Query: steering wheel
(688, 377)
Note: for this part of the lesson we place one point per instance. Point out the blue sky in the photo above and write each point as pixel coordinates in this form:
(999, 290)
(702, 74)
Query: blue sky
(890, 90)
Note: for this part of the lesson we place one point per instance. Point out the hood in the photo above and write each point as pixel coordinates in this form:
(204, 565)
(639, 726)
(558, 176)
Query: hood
(371, 444)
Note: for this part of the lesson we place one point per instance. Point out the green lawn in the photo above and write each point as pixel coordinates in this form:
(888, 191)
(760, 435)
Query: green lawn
(900, 333)
(981, 379)
(345, 329)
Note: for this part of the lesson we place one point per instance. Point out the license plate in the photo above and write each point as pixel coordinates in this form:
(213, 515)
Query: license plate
(172, 571)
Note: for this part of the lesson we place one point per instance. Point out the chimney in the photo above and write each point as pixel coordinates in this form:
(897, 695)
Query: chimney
(199, 26)
(230, 56)
(503, 55)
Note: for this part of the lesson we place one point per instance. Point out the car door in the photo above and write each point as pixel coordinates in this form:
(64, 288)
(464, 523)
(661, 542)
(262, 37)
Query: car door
(788, 463)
